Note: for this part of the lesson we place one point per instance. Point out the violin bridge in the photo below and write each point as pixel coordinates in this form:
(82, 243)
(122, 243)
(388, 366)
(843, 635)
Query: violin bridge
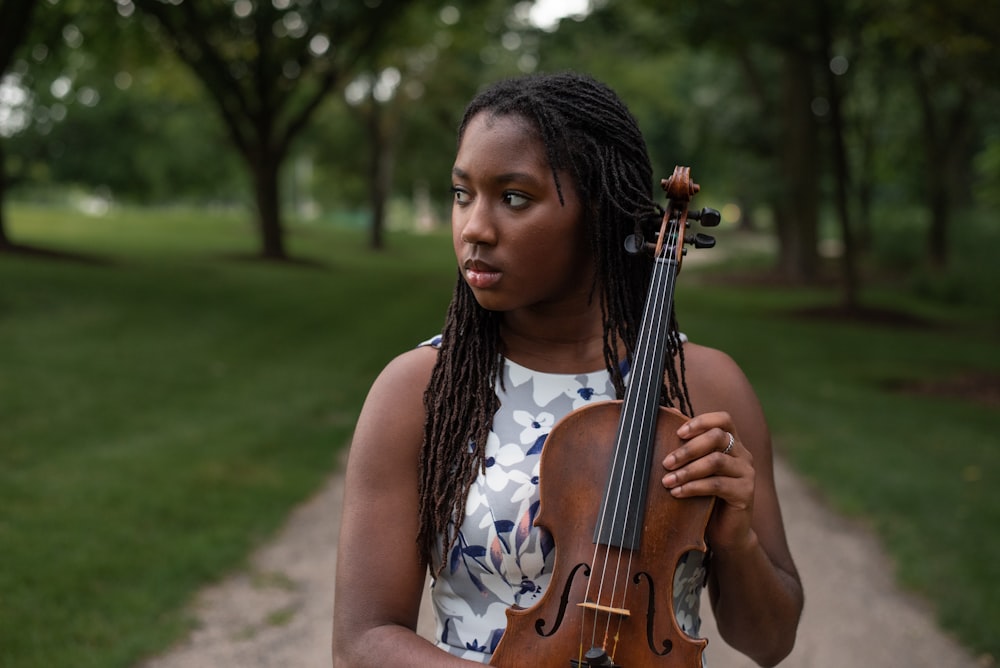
(596, 607)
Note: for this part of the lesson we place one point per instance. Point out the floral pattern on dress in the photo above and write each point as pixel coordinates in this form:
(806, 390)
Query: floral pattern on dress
(500, 558)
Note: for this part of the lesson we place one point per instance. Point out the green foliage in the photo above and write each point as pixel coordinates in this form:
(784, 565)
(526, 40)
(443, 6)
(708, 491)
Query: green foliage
(704, 79)
(988, 171)
(134, 145)
(442, 55)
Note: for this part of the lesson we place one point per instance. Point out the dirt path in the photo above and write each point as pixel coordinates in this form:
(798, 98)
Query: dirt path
(278, 614)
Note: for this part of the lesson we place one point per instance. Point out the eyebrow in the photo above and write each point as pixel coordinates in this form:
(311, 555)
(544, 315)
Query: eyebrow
(506, 177)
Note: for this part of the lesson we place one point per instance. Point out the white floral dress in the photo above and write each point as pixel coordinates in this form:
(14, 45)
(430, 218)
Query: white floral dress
(501, 559)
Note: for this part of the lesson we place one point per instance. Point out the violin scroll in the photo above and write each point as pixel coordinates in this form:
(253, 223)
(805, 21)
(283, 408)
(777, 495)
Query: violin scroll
(679, 187)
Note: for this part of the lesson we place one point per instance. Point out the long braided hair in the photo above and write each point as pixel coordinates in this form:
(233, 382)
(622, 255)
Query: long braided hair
(589, 134)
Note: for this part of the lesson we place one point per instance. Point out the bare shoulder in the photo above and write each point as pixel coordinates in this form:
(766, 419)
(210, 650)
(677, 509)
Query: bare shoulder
(391, 421)
(699, 356)
(412, 366)
(386, 442)
(717, 383)
(714, 378)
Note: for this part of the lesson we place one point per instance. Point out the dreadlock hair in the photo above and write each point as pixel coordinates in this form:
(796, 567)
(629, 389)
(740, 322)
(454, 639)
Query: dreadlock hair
(589, 134)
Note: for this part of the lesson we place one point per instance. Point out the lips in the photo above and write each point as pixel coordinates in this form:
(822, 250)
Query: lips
(479, 274)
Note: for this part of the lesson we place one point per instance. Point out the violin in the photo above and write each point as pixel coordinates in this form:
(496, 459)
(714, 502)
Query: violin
(619, 534)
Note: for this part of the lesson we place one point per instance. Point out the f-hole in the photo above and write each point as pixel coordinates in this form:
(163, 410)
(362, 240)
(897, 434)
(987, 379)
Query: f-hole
(667, 644)
(563, 602)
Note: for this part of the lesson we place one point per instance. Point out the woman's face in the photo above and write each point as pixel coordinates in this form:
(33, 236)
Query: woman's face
(517, 245)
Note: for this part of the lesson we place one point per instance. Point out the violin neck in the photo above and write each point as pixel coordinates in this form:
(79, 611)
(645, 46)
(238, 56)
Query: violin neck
(621, 518)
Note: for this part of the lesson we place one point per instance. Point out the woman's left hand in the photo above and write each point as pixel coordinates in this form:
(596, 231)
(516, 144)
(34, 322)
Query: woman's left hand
(712, 461)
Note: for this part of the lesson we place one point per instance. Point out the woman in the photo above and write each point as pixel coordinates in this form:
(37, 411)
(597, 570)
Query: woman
(550, 177)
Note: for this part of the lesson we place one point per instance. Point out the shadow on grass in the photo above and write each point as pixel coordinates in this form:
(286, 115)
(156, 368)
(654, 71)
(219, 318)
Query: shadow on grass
(287, 261)
(26, 250)
(865, 315)
(977, 387)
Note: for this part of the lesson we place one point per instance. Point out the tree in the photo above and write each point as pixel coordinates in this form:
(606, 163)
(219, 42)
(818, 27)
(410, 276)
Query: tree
(742, 77)
(267, 67)
(827, 28)
(438, 58)
(50, 75)
(15, 20)
(141, 134)
(778, 53)
(949, 51)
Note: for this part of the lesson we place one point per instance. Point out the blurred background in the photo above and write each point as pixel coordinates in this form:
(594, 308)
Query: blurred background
(220, 218)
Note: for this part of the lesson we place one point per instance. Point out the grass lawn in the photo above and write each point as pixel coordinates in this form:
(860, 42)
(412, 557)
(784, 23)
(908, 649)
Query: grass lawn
(161, 412)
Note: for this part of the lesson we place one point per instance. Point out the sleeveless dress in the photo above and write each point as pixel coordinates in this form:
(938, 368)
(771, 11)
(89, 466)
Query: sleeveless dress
(500, 559)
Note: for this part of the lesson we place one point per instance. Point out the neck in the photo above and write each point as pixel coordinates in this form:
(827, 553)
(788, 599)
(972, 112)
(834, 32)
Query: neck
(561, 343)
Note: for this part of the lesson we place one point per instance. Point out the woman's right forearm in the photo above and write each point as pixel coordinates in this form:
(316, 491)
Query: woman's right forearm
(390, 646)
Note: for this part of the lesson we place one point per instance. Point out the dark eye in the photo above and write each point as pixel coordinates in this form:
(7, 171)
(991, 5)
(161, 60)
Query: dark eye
(461, 196)
(515, 200)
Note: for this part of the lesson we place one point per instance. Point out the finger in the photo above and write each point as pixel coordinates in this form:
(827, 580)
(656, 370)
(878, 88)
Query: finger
(715, 439)
(733, 486)
(713, 465)
(731, 442)
(705, 422)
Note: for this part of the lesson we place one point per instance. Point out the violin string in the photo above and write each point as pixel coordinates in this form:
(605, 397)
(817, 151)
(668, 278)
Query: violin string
(658, 296)
(626, 424)
(661, 298)
(600, 531)
(622, 438)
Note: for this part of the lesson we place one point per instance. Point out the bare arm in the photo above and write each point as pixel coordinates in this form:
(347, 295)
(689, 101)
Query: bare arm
(380, 575)
(754, 586)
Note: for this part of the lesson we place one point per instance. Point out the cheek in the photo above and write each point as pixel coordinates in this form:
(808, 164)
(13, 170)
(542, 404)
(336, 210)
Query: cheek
(456, 235)
(563, 238)
(558, 257)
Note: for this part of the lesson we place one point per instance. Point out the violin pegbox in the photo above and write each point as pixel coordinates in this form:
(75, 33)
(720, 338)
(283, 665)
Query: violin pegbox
(677, 218)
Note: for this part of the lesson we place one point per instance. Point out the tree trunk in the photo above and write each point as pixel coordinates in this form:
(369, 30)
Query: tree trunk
(377, 182)
(15, 23)
(5, 243)
(864, 189)
(381, 140)
(797, 214)
(953, 181)
(841, 171)
(266, 171)
(946, 136)
(937, 196)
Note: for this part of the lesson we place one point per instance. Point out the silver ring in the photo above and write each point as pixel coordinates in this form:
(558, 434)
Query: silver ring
(732, 442)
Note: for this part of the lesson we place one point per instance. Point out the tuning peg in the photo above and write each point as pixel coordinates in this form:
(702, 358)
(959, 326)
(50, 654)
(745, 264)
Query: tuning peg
(634, 244)
(700, 240)
(707, 217)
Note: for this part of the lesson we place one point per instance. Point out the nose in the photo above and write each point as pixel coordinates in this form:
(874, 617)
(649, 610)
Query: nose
(475, 223)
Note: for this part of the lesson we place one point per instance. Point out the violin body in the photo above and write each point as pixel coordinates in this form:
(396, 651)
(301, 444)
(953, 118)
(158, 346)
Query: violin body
(632, 611)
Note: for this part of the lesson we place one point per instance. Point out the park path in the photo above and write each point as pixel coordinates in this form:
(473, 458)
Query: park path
(277, 613)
